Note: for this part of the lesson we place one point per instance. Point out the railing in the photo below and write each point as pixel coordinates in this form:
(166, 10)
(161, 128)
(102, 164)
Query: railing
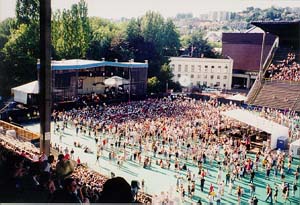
(291, 82)
(258, 84)
(270, 57)
(255, 89)
(21, 132)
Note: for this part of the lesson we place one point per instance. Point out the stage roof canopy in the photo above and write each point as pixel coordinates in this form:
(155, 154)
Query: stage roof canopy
(29, 88)
(276, 130)
(21, 92)
(85, 64)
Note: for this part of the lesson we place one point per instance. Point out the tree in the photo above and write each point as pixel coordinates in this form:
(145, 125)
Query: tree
(165, 76)
(21, 49)
(154, 39)
(6, 27)
(72, 32)
(119, 48)
(171, 43)
(196, 46)
(152, 24)
(153, 85)
(19, 58)
(101, 42)
(27, 11)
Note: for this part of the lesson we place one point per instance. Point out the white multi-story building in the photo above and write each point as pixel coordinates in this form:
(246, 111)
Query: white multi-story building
(211, 72)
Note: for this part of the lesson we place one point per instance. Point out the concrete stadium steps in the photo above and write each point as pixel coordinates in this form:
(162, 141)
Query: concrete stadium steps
(297, 104)
(253, 92)
(282, 95)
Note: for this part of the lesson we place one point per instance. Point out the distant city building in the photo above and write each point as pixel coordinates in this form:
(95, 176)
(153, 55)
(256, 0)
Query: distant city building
(203, 71)
(219, 16)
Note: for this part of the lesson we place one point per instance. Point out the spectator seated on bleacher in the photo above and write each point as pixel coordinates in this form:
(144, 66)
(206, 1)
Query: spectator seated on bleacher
(64, 167)
(287, 69)
(23, 180)
(116, 190)
(68, 194)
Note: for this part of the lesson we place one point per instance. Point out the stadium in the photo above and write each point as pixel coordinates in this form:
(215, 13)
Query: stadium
(172, 150)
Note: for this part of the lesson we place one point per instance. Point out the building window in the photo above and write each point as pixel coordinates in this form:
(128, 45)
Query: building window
(186, 68)
(224, 85)
(178, 75)
(206, 66)
(212, 77)
(219, 66)
(199, 76)
(225, 77)
(205, 76)
(192, 76)
(204, 83)
(179, 68)
(198, 82)
(193, 68)
(218, 83)
(212, 66)
(218, 77)
(199, 68)
(226, 67)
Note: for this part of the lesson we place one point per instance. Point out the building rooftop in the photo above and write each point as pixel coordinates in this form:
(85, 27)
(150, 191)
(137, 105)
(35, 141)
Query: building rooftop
(84, 64)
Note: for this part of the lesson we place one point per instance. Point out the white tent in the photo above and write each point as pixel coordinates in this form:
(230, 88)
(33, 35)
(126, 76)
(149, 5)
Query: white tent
(115, 81)
(276, 130)
(295, 148)
(237, 97)
(21, 92)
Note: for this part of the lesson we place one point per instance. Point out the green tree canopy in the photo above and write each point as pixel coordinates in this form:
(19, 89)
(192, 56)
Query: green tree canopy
(6, 27)
(196, 46)
(71, 31)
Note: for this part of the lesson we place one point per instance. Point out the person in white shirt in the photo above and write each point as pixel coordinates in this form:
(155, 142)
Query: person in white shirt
(230, 187)
(218, 198)
(210, 199)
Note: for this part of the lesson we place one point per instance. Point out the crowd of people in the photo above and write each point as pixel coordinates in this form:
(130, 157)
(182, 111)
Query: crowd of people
(288, 69)
(177, 134)
(288, 118)
(183, 136)
(24, 172)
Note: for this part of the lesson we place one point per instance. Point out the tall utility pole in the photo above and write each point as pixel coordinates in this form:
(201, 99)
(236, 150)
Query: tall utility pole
(45, 78)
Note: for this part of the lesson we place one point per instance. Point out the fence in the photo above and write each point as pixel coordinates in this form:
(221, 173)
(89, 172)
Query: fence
(20, 132)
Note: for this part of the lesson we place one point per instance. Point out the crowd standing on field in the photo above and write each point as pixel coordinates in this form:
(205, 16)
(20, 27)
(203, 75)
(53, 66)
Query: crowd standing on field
(175, 133)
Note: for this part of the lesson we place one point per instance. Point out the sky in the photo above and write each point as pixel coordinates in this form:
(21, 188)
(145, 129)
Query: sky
(115, 9)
